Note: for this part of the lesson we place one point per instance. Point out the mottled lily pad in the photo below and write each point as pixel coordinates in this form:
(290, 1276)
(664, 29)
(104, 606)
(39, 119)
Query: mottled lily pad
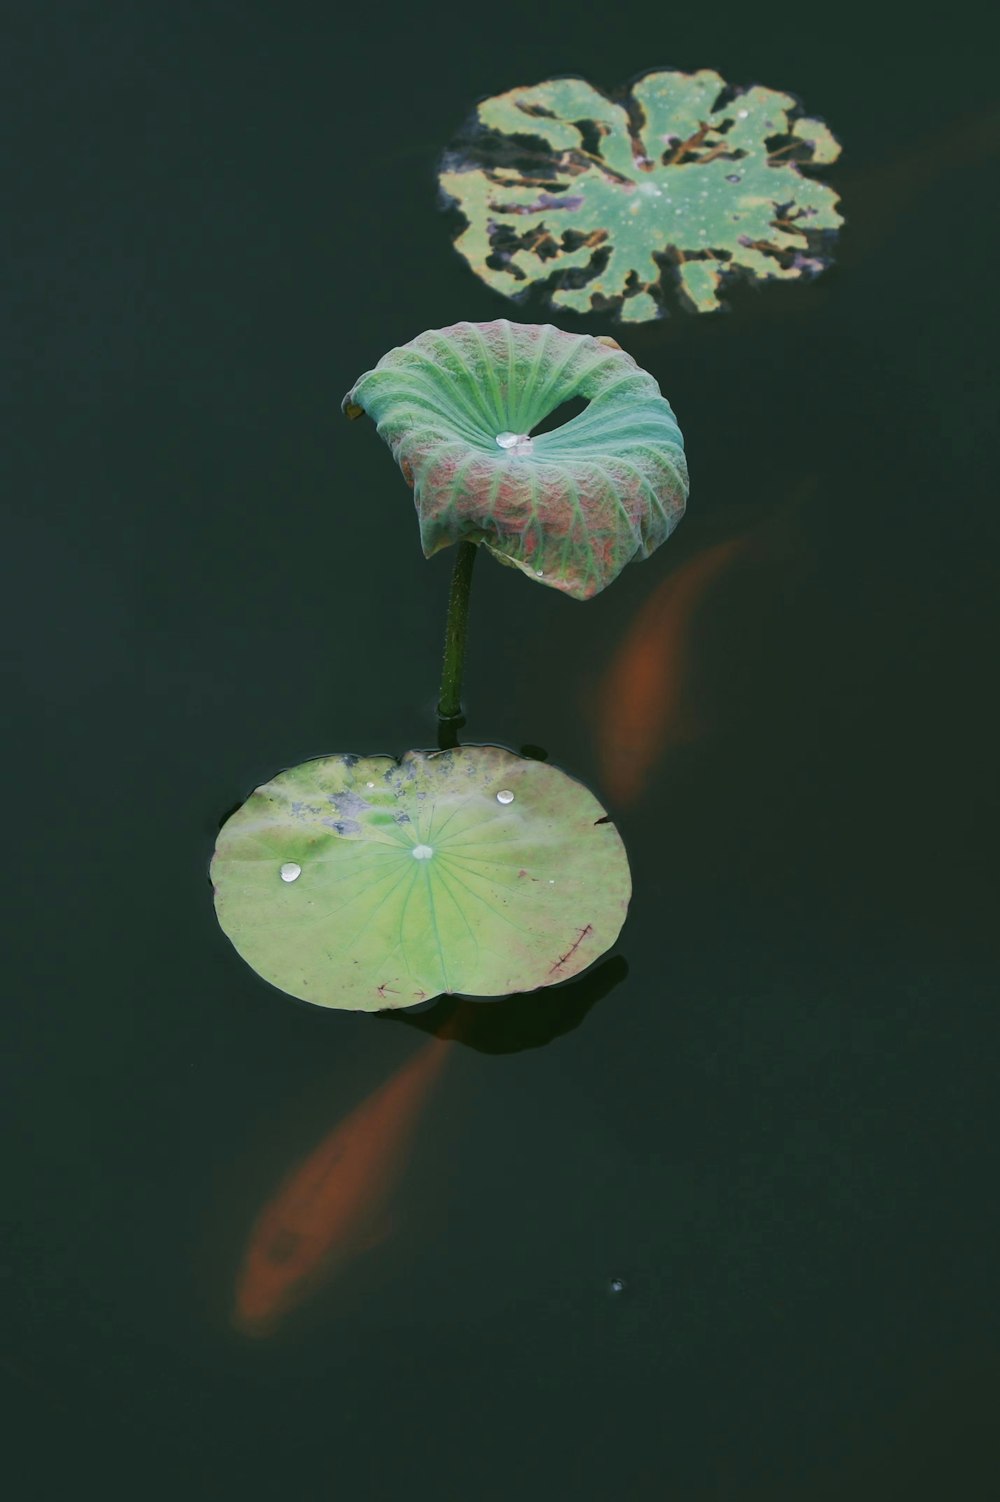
(686, 181)
(367, 884)
(458, 408)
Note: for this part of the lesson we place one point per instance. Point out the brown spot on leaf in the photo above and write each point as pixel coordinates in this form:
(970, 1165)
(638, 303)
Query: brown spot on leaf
(572, 948)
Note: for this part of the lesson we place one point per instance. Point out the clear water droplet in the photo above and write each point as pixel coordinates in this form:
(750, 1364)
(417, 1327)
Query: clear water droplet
(505, 796)
(733, 177)
(617, 1285)
(290, 871)
(540, 573)
(518, 443)
(743, 114)
(369, 784)
(423, 852)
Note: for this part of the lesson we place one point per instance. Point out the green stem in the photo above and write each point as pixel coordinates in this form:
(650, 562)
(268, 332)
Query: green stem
(450, 702)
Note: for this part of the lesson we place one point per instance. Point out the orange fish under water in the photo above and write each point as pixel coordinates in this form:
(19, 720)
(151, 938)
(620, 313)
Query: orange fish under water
(333, 1205)
(644, 700)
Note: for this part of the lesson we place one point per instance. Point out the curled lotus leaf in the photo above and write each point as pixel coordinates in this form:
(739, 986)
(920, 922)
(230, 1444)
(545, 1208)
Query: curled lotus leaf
(368, 884)
(570, 507)
(684, 181)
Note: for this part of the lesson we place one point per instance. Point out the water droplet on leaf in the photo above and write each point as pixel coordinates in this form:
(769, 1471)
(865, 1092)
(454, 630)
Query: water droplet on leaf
(290, 871)
(516, 443)
(505, 796)
(423, 852)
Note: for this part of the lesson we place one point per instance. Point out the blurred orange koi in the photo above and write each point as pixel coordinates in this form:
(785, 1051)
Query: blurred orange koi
(333, 1205)
(643, 701)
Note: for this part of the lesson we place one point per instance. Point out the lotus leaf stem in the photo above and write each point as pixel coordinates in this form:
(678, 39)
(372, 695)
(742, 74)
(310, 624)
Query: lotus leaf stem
(450, 702)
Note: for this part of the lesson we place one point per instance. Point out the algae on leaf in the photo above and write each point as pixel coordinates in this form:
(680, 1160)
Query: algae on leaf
(604, 202)
(368, 884)
(570, 507)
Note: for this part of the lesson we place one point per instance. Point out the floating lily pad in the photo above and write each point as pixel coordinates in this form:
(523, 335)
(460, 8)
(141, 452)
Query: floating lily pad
(562, 185)
(367, 884)
(570, 507)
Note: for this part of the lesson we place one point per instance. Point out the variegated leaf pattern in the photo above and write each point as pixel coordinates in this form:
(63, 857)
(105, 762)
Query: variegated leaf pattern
(569, 507)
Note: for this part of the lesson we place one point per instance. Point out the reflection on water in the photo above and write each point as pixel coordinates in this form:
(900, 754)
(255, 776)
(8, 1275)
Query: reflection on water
(334, 1204)
(530, 1019)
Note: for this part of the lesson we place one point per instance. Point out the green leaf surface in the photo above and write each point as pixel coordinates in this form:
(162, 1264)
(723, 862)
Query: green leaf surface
(562, 185)
(569, 507)
(368, 884)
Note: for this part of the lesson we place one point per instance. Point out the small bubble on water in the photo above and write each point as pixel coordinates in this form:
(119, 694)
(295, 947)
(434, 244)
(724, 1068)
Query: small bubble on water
(290, 871)
(423, 852)
(505, 796)
(616, 1285)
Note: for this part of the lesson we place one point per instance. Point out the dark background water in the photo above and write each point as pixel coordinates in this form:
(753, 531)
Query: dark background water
(780, 1128)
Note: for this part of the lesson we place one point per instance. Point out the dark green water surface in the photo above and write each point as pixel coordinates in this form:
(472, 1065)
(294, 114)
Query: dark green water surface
(778, 1125)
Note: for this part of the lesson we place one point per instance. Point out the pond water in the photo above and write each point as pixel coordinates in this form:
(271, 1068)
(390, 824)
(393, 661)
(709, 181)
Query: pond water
(713, 1221)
